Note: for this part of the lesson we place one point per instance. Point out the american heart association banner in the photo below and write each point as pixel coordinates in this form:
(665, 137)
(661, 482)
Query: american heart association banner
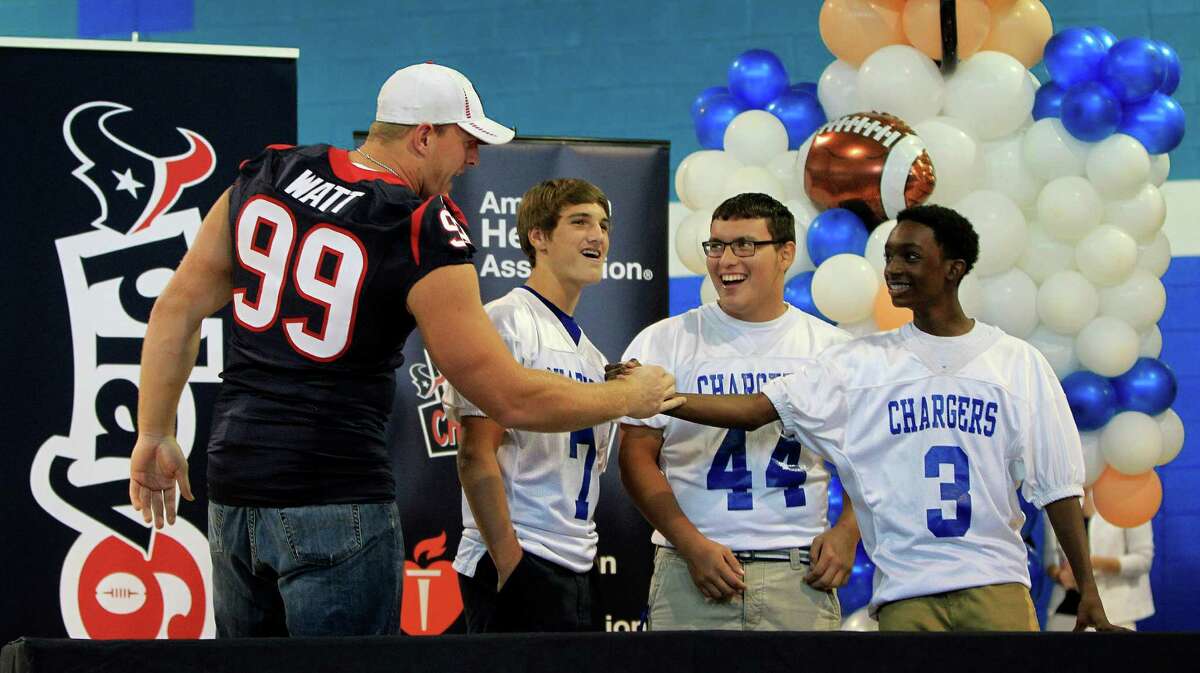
(632, 295)
(115, 152)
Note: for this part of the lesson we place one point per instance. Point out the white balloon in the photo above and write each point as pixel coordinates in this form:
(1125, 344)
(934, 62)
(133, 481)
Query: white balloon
(693, 230)
(1160, 166)
(708, 291)
(1172, 435)
(993, 91)
(1118, 166)
(1069, 208)
(1155, 256)
(1139, 301)
(901, 81)
(1051, 152)
(875, 243)
(1045, 256)
(1005, 171)
(1150, 342)
(755, 137)
(704, 178)
(783, 167)
(753, 179)
(837, 90)
(1107, 255)
(1067, 302)
(804, 212)
(1131, 442)
(970, 296)
(682, 170)
(1142, 215)
(1059, 350)
(1010, 302)
(1001, 228)
(956, 156)
(860, 328)
(1093, 459)
(844, 288)
(1107, 346)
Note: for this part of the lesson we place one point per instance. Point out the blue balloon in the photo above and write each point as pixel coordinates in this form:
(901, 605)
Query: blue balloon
(1149, 387)
(1048, 101)
(1092, 398)
(1104, 35)
(1090, 111)
(1134, 68)
(857, 591)
(833, 232)
(714, 118)
(757, 77)
(705, 98)
(1171, 59)
(798, 293)
(809, 88)
(1073, 56)
(836, 497)
(800, 113)
(1157, 122)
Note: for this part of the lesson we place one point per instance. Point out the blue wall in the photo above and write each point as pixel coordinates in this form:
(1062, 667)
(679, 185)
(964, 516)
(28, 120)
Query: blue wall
(629, 69)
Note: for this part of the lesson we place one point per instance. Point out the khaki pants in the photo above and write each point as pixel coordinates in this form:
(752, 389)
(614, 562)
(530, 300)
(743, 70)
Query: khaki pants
(995, 607)
(776, 599)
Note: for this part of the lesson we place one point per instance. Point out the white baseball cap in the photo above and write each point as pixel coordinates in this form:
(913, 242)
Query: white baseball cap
(434, 94)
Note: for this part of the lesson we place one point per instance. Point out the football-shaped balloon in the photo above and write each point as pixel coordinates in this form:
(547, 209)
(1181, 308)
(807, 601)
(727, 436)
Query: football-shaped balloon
(871, 163)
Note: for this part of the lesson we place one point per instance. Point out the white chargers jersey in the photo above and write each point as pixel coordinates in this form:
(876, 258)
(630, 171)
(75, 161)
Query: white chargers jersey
(931, 436)
(747, 490)
(551, 480)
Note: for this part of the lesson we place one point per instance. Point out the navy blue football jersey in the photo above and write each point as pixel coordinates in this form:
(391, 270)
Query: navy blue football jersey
(325, 253)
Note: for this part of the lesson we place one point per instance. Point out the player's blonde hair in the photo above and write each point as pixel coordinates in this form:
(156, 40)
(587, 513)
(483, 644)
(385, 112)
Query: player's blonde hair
(541, 205)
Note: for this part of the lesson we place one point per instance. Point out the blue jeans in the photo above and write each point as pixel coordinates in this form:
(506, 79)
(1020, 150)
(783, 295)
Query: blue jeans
(320, 570)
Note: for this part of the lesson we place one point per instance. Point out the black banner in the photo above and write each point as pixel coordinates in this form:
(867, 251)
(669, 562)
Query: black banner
(632, 295)
(116, 151)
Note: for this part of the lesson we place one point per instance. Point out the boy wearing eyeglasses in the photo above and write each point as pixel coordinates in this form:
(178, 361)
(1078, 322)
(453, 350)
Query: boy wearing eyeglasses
(741, 529)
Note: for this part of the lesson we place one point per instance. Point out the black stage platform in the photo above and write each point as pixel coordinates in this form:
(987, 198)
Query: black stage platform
(726, 652)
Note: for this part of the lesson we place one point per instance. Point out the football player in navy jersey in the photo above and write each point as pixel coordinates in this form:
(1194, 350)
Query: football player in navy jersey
(331, 258)
(526, 559)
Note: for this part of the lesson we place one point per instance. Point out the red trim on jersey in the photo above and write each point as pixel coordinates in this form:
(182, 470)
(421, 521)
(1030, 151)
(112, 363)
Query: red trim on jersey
(456, 212)
(239, 293)
(277, 146)
(415, 225)
(346, 171)
(325, 305)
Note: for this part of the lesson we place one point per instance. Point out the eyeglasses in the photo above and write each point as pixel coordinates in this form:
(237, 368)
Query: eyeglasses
(741, 247)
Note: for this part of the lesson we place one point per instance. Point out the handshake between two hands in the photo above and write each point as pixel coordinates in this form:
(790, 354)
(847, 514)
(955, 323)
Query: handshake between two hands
(655, 387)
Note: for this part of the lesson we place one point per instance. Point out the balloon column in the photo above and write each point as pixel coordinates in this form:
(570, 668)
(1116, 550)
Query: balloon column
(1060, 179)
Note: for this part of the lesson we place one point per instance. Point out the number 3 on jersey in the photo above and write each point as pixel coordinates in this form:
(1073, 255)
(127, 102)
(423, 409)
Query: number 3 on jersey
(956, 491)
(328, 271)
(728, 472)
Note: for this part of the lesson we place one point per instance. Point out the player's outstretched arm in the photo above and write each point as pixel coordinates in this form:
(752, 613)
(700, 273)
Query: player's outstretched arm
(740, 412)
(200, 286)
(483, 485)
(465, 346)
(713, 567)
(1067, 519)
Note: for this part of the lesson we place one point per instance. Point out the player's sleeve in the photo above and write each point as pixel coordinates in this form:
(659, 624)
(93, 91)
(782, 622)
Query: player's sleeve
(512, 324)
(649, 347)
(1051, 451)
(437, 236)
(812, 406)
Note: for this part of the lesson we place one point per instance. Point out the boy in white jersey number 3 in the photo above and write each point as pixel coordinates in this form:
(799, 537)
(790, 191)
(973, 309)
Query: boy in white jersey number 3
(932, 427)
(525, 562)
(740, 517)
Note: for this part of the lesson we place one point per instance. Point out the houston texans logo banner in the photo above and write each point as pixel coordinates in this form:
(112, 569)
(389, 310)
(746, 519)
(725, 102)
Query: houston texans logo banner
(115, 156)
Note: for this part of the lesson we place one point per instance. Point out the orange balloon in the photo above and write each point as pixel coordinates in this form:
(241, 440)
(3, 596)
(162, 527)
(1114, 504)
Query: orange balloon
(922, 21)
(855, 29)
(1020, 28)
(887, 316)
(1127, 501)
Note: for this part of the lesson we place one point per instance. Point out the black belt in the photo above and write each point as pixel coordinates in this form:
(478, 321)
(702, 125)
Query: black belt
(800, 554)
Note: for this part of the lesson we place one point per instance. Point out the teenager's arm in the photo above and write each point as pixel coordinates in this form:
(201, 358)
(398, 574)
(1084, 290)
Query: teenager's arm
(739, 412)
(479, 474)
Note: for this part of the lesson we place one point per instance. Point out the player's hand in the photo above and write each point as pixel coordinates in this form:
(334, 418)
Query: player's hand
(618, 370)
(653, 391)
(832, 559)
(156, 466)
(714, 569)
(505, 565)
(1091, 613)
